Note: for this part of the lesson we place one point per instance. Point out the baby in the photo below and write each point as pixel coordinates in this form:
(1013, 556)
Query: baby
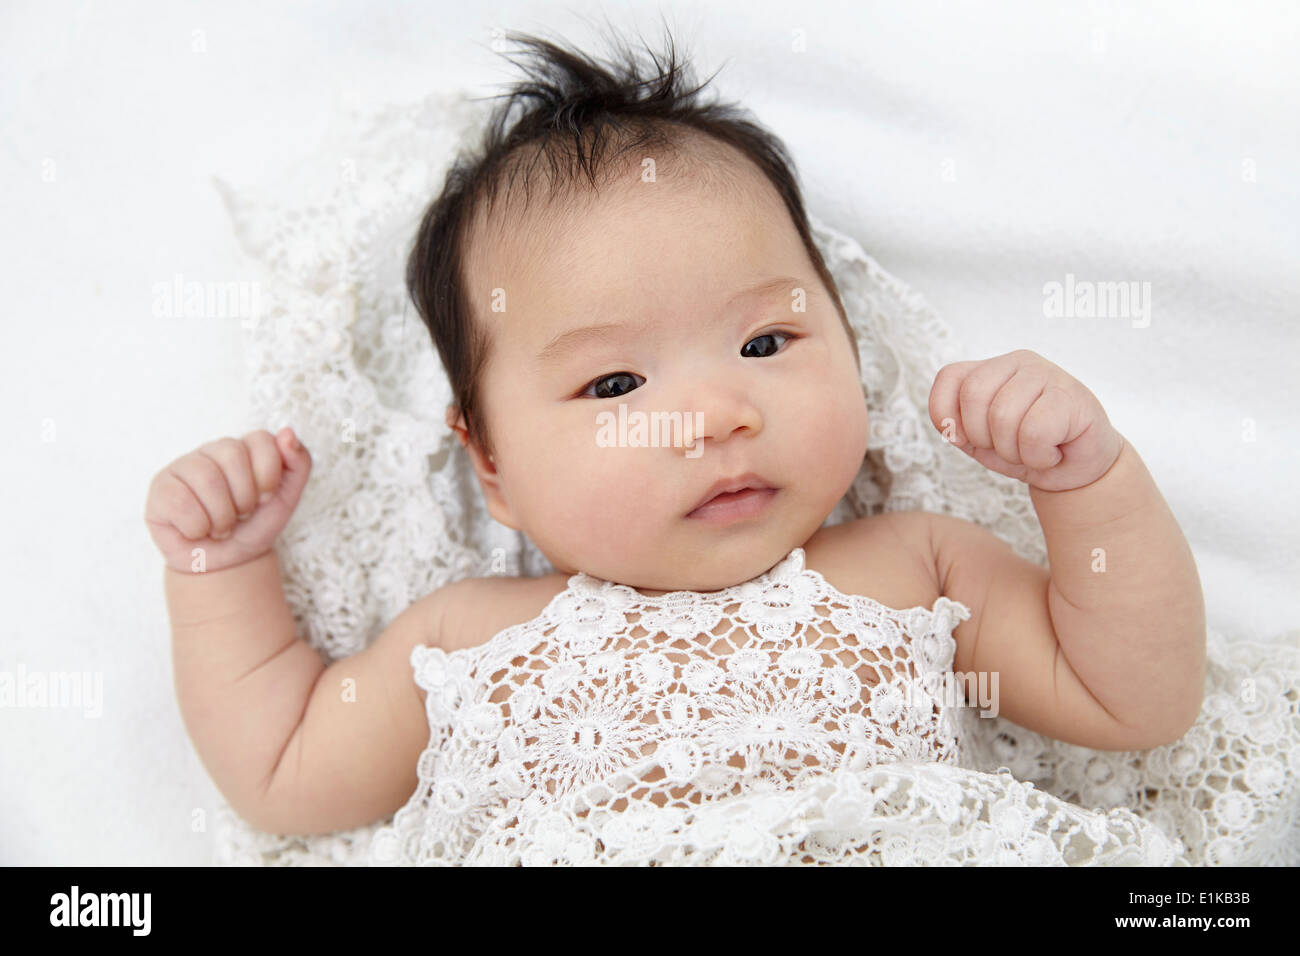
(624, 245)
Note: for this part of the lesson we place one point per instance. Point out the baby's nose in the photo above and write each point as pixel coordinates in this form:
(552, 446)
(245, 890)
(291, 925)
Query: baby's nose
(720, 414)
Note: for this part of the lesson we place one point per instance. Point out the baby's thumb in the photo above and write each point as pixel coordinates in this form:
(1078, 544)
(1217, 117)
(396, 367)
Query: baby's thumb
(297, 467)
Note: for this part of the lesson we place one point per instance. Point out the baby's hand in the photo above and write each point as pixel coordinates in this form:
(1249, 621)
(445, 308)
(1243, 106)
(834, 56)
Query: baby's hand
(1021, 416)
(231, 498)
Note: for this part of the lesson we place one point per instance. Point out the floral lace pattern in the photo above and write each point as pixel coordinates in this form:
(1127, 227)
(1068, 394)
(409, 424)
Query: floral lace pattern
(613, 702)
(393, 512)
(899, 814)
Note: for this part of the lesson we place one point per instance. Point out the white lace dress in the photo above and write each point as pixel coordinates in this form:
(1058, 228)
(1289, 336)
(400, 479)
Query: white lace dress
(616, 728)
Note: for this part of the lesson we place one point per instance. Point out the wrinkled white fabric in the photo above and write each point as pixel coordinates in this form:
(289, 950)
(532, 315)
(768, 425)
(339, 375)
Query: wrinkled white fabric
(393, 512)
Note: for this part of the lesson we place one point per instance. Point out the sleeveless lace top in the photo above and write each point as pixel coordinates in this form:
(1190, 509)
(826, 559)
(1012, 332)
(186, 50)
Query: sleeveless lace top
(616, 727)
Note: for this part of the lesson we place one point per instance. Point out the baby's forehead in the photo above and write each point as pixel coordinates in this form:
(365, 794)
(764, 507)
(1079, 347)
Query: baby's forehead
(619, 254)
(626, 237)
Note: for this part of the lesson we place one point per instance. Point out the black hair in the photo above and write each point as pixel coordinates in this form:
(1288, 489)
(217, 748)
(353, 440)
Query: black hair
(572, 109)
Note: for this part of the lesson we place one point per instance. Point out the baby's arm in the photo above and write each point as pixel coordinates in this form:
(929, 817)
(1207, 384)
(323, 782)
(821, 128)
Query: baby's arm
(293, 745)
(242, 675)
(1108, 649)
(298, 747)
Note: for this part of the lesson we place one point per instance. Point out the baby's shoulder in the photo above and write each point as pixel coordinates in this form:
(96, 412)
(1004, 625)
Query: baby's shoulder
(887, 557)
(473, 610)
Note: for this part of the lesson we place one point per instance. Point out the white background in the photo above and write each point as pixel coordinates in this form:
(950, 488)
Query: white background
(977, 151)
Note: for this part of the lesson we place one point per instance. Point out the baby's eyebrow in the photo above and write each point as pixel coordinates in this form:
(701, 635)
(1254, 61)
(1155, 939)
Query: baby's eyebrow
(571, 339)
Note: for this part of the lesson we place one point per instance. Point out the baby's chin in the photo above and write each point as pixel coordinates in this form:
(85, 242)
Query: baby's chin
(707, 569)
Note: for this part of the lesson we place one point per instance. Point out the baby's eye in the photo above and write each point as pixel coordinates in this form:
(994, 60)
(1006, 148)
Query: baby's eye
(620, 383)
(766, 348)
(612, 386)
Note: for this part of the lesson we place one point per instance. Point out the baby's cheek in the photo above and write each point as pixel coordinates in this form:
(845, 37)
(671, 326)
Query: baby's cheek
(594, 485)
(840, 431)
(556, 481)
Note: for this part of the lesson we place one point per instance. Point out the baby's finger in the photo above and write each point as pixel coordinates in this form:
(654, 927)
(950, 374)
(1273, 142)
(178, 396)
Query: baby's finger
(171, 502)
(297, 466)
(205, 479)
(1009, 407)
(944, 411)
(1045, 427)
(975, 396)
(267, 463)
(233, 458)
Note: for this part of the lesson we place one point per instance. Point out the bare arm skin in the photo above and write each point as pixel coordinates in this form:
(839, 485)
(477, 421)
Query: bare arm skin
(1113, 660)
(242, 675)
(295, 746)
(1126, 599)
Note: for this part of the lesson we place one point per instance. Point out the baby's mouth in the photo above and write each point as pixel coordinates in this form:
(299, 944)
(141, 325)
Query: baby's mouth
(740, 497)
(744, 501)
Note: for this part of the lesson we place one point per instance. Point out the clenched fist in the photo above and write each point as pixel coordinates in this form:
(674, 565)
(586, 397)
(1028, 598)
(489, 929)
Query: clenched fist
(1021, 416)
(230, 498)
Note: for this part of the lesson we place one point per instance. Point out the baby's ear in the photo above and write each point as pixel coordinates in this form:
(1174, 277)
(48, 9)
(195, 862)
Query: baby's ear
(456, 422)
(489, 480)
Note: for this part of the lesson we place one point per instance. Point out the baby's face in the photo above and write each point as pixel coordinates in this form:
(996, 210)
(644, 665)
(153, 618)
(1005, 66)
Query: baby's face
(667, 273)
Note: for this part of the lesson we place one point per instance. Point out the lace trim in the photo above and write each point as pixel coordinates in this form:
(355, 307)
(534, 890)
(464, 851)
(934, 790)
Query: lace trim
(944, 609)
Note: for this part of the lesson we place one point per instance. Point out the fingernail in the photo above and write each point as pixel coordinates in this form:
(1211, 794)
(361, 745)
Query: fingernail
(264, 497)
